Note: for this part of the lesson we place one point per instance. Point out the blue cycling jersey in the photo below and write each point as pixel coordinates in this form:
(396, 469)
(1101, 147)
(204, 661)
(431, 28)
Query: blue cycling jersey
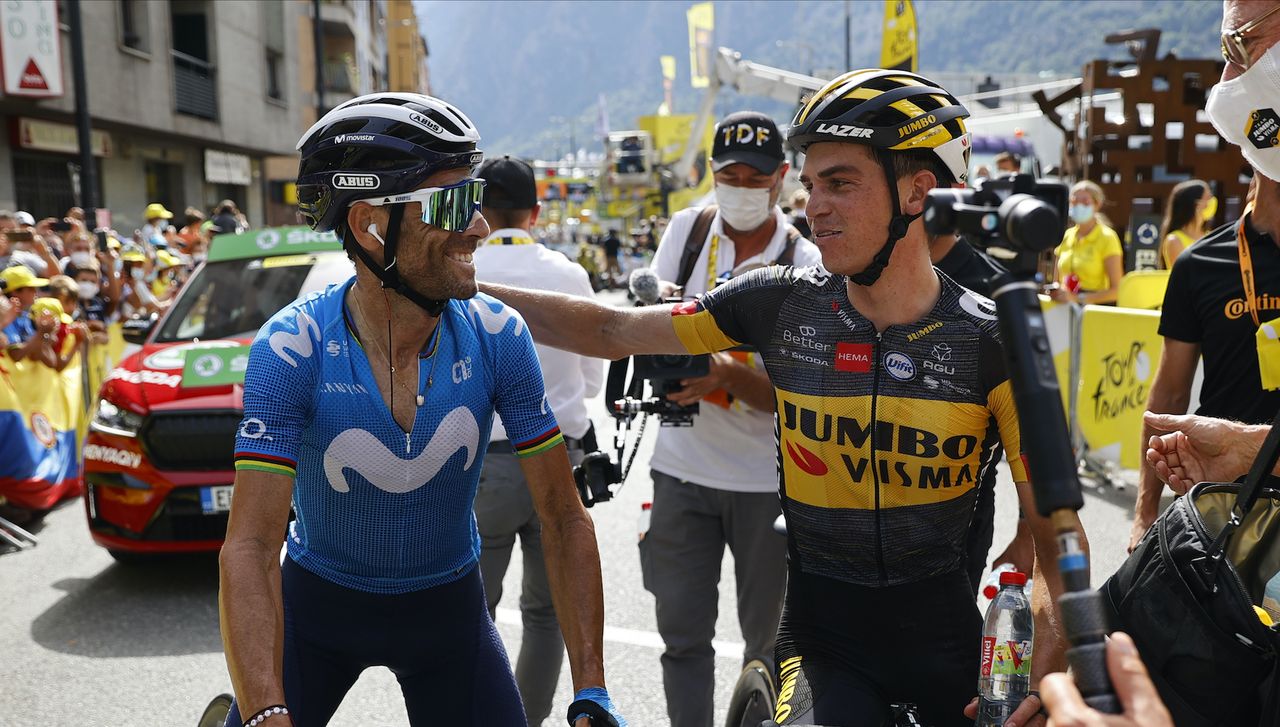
(377, 509)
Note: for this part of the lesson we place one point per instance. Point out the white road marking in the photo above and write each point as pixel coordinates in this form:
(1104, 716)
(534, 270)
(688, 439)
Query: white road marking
(634, 637)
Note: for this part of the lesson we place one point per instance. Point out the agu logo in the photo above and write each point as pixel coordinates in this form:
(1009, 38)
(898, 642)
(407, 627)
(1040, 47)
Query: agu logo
(900, 366)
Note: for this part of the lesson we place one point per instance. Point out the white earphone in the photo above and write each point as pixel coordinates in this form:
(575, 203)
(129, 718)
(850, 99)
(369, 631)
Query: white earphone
(373, 230)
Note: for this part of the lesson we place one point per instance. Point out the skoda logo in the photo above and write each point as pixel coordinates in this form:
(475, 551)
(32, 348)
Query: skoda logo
(267, 239)
(900, 366)
(207, 365)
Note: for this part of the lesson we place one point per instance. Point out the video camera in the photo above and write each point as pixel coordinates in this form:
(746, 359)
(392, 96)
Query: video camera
(1015, 218)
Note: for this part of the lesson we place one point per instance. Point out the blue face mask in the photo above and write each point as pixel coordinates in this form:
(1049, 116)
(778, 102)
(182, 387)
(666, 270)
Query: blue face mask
(1081, 213)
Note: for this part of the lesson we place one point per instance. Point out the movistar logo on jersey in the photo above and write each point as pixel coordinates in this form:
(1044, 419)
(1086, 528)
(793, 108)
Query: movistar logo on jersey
(287, 345)
(356, 181)
(494, 321)
(369, 457)
(845, 130)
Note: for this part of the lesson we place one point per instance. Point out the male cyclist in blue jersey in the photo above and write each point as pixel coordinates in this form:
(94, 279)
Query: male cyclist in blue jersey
(367, 408)
(893, 402)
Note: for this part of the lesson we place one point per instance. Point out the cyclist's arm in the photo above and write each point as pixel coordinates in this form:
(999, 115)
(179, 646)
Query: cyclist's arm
(250, 604)
(590, 328)
(573, 563)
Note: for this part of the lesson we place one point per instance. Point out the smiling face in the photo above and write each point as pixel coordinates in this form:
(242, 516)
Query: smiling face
(848, 206)
(432, 261)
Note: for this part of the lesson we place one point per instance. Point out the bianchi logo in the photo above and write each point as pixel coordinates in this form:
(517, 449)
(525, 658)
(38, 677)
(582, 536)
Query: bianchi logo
(207, 365)
(356, 181)
(299, 343)
(359, 450)
(978, 306)
(494, 321)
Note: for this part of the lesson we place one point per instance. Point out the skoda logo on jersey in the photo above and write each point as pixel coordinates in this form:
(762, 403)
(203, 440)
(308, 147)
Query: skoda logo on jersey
(369, 457)
(977, 306)
(900, 366)
(267, 239)
(356, 181)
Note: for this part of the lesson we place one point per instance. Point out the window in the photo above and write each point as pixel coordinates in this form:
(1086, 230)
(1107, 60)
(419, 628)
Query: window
(133, 25)
(274, 41)
(275, 68)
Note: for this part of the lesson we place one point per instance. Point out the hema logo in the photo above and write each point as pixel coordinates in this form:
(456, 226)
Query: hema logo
(356, 181)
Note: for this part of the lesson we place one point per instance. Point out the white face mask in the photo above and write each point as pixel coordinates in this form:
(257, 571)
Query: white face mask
(80, 259)
(88, 291)
(743, 208)
(1246, 112)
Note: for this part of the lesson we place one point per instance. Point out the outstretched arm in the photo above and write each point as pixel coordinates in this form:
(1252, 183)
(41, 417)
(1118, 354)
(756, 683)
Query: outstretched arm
(1187, 449)
(589, 328)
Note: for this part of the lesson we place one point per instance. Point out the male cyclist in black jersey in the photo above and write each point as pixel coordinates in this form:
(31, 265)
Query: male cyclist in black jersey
(351, 418)
(892, 401)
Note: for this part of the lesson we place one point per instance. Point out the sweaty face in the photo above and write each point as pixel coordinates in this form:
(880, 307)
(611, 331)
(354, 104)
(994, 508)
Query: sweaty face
(848, 206)
(436, 262)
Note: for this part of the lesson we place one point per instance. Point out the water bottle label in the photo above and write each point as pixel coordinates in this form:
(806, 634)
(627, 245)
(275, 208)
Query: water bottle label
(1005, 658)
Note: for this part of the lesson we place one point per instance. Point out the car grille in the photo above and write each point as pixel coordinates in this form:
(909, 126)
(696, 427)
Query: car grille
(181, 518)
(191, 440)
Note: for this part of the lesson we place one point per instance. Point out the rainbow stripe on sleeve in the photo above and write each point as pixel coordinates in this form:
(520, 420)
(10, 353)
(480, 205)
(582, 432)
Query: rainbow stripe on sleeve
(266, 463)
(539, 444)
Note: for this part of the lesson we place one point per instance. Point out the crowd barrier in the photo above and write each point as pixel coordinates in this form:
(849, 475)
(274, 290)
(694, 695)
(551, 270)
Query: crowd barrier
(44, 416)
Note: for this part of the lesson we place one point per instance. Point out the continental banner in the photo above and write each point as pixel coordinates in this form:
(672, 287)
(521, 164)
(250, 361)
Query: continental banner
(1119, 353)
(40, 411)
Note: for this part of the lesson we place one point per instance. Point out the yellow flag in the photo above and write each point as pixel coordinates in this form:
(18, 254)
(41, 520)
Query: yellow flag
(668, 83)
(702, 19)
(668, 67)
(898, 49)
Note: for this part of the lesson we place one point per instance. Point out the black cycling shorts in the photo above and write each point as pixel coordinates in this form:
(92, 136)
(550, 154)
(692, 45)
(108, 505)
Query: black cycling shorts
(845, 653)
(439, 642)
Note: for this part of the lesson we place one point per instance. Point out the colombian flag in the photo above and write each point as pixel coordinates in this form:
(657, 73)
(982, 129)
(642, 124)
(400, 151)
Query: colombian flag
(40, 410)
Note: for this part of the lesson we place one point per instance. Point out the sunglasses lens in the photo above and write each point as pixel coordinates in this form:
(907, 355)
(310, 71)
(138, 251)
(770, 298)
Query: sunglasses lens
(452, 208)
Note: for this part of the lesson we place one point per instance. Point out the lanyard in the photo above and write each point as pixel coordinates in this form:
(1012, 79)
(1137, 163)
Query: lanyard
(711, 262)
(513, 241)
(1246, 266)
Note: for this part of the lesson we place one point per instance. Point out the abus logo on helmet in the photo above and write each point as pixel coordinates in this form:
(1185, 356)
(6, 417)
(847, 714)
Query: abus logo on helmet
(356, 181)
(424, 121)
(853, 132)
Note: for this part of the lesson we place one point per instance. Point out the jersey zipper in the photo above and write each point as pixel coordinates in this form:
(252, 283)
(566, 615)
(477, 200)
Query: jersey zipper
(875, 465)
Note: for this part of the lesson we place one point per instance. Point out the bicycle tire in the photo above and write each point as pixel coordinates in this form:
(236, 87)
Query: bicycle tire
(215, 715)
(754, 696)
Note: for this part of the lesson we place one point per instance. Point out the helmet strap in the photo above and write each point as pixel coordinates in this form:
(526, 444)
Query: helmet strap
(389, 274)
(898, 225)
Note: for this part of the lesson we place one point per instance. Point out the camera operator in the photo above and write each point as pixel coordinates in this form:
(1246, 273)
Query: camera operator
(1212, 306)
(715, 483)
(878, 468)
(504, 507)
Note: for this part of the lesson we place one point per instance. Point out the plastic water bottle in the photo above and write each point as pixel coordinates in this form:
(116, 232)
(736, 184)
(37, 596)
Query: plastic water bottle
(1004, 676)
(991, 585)
(643, 525)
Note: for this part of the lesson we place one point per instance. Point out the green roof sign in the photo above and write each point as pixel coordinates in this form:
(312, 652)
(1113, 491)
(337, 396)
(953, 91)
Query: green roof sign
(215, 366)
(270, 242)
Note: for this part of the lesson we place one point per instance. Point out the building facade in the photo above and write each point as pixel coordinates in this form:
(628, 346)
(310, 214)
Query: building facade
(188, 98)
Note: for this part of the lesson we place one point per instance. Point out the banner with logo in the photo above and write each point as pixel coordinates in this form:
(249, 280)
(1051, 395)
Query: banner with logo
(898, 45)
(1119, 353)
(40, 410)
(668, 84)
(702, 20)
(272, 241)
(30, 48)
(214, 367)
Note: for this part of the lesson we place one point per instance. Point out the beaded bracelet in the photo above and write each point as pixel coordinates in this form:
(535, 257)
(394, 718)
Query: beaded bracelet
(263, 714)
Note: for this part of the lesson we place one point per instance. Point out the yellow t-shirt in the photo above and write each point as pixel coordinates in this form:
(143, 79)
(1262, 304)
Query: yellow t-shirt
(1086, 256)
(1186, 240)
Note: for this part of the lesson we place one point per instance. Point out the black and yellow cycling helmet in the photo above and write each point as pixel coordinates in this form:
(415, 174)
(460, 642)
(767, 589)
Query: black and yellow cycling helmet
(892, 112)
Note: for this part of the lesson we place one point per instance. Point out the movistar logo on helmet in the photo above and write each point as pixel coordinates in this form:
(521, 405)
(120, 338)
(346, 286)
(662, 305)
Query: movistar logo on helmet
(424, 121)
(918, 124)
(356, 181)
(846, 130)
(352, 138)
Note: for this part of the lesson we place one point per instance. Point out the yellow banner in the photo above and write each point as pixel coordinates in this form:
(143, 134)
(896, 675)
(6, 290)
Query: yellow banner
(668, 67)
(670, 134)
(1119, 352)
(898, 49)
(702, 18)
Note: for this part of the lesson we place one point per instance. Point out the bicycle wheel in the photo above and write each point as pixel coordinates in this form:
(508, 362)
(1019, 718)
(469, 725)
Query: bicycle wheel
(215, 715)
(753, 697)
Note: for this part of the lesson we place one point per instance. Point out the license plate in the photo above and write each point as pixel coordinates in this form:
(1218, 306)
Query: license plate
(215, 499)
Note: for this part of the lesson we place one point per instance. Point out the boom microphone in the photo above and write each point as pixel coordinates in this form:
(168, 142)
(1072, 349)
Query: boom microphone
(645, 286)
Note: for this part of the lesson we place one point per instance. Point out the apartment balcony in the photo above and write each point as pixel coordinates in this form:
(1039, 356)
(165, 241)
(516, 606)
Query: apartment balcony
(195, 88)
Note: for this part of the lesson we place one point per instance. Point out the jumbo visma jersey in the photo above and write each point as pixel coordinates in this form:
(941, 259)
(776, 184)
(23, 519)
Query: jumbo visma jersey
(882, 438)
(377, 509)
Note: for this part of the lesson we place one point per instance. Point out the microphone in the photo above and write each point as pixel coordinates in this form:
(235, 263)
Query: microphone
(645, 286)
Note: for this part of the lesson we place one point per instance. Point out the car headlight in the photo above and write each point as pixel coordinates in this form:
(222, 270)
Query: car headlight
(111, 419)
